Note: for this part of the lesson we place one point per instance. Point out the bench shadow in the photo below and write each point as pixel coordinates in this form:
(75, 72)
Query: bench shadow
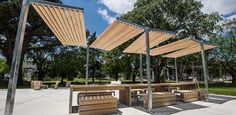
(75, 109)
(168, 110)
(220, 99)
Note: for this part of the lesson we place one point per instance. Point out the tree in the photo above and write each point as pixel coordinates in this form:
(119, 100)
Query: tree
(182, 16)
(225, 54)
(8, 29)
(3, 68)
(68, 63)
(42, 52)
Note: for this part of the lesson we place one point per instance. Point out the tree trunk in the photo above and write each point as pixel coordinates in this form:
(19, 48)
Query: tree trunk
(117, 75)
(93, 74)
(40, 72)
(133, 77)
(62, 79)
(20, 75)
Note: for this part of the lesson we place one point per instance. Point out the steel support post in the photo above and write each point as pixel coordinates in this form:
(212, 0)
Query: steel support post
(176, 71)
(16, 58)
(87, 65)
(148, 70)
(205, 73)
(141, 67)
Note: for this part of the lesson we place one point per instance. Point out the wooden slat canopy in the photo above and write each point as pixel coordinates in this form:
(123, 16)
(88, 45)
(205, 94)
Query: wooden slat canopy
(66, 23)
(156, 37)
(116, 34)
(181, 48)
(174, 46)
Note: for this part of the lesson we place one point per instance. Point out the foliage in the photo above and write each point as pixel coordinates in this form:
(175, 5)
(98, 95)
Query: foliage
(182, 16)
(3, 68)
(67, 63)
(225, 54)
(36, 30)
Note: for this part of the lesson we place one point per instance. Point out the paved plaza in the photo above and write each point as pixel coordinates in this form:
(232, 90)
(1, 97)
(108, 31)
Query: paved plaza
(56, 101)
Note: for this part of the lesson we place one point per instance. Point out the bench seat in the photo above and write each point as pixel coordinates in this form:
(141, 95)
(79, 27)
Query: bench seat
(97, 105)
(187, 95)
(159, 99)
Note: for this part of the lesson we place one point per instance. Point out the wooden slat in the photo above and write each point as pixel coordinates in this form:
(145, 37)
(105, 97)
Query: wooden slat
(66, 23)
(82, 22)
(98, 106)
(70, 25)
(156, 38)
(103, 37)
(58, 20)
(46, 13)
(99, 112)
(189, 50)
(36, 7)
(116, 34)
(125, 38)
(138, 46)
(180, 44)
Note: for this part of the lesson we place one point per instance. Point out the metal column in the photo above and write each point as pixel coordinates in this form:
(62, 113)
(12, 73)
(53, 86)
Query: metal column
(16, 58)
(141, 67)
(176, 71)
(87, 65)
(204, 65)
(148, 71)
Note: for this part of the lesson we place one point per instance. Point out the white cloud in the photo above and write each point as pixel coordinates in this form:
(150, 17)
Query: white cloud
(231, 17)
(118, 6)
(223, 7)
(105, 15)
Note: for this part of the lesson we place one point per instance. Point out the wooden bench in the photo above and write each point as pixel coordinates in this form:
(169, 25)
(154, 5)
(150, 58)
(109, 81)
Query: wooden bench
(201, 94)
(159, 99)
(97, 105)
(55, 86)
(37, 85)
(94, 93)
(187, 95)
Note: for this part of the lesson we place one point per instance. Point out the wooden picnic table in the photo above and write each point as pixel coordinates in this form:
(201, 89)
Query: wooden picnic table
(91, 88)
(125, 90)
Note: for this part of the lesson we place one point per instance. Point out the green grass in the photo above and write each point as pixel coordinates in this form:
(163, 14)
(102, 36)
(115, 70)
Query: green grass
(222, 89)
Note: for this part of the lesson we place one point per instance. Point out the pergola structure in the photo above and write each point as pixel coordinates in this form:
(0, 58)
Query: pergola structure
(185, 47)
(66, 22)
(121, 31)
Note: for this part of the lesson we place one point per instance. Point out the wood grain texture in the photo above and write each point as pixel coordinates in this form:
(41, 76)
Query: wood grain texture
(66, 23)
(116, 34)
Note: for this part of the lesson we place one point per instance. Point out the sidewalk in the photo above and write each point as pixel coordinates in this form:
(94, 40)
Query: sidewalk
(55, 102)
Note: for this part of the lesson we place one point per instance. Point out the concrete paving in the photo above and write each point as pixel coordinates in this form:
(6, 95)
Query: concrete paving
(56, 101)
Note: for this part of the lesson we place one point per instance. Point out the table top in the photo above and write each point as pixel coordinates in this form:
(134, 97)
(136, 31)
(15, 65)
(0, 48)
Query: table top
(123, 86)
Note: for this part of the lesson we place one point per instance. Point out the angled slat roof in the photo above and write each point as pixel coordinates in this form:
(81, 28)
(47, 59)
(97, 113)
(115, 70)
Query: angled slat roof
(156, 37)
(174, 46)
(67, 23)
(182, 48)
(116, 34)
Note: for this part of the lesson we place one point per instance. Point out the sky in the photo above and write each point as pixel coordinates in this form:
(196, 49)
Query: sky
(100, 13)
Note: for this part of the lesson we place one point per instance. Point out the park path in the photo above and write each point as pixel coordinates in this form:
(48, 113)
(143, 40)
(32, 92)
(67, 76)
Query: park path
(55, 102)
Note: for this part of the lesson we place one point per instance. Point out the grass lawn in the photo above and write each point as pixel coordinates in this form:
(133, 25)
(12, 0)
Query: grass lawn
(222, 89)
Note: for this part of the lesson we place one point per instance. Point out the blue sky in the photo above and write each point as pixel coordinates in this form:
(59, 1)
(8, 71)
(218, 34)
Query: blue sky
(100, 13)
(93, 20)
